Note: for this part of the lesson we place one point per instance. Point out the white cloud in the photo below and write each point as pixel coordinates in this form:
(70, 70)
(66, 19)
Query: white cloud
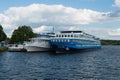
(44, 16)
(40, 14)
(117, 3)
(42, 28)
(115, 32)
(5, 21)
(49, 14)
(73, 28)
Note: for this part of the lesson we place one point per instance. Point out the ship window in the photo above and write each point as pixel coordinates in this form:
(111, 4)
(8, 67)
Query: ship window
(59, 35)
(62, 35)
(71, 35)
(68, 35)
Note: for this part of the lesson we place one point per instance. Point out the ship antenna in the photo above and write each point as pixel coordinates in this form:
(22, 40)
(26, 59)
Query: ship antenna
(53, 29)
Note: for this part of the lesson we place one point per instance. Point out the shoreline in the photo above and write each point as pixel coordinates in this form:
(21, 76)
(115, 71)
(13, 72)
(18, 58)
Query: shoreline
(2, 49)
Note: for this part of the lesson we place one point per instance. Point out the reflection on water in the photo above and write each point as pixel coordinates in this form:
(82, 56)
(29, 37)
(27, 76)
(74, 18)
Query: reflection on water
(100, 64)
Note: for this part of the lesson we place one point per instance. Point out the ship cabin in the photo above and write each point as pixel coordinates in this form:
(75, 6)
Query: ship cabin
(73, 36)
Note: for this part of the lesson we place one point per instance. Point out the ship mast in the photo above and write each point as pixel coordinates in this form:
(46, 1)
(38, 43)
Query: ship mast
(53, 30)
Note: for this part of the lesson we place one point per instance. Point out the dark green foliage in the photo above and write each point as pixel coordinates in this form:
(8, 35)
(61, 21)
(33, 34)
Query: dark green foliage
(2, 34)
(110, 42)
(23, 33)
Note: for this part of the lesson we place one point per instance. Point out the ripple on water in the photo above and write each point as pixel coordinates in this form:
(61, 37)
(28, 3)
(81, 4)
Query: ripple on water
(100, 64)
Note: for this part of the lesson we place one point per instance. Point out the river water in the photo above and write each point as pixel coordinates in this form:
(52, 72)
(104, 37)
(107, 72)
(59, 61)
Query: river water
(100, 64)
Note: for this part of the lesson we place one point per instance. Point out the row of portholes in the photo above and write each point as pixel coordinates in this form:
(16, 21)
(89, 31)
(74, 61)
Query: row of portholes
(75, 35)
(61, 40)
(70, 35)
(75, 40)
(64, 35)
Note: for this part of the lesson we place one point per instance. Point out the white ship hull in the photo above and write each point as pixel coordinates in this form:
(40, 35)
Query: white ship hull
(36, 49)
(38, 44)
(16, 47)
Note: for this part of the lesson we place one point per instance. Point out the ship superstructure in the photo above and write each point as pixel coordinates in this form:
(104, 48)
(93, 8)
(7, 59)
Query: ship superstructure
(74, 40)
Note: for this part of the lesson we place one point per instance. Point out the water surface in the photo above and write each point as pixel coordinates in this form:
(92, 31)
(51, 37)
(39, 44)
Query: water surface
(100, 64)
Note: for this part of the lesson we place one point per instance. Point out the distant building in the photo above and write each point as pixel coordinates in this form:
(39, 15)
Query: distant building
(3, 44)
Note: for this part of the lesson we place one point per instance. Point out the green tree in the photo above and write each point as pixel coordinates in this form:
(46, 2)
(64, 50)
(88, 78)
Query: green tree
(2, 34)
(23, 33)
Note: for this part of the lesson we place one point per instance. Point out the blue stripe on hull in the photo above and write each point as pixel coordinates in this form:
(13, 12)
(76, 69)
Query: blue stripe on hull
(66, 46)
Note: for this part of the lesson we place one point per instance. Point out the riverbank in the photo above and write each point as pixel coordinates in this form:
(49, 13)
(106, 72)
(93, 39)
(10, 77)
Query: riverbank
(110, 42)
(2, 49)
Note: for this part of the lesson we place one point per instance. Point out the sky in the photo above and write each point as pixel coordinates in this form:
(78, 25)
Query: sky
(97, 17)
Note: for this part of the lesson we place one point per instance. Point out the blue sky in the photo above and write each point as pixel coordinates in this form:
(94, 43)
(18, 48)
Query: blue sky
(98, 17)
(99, 5)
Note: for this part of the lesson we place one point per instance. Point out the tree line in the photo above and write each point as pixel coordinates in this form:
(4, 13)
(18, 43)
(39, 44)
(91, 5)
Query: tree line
(110, 42)
(19, 35)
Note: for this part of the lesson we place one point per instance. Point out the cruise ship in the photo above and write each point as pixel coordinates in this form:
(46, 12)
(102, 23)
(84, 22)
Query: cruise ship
(40, 43)
(73, 40)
